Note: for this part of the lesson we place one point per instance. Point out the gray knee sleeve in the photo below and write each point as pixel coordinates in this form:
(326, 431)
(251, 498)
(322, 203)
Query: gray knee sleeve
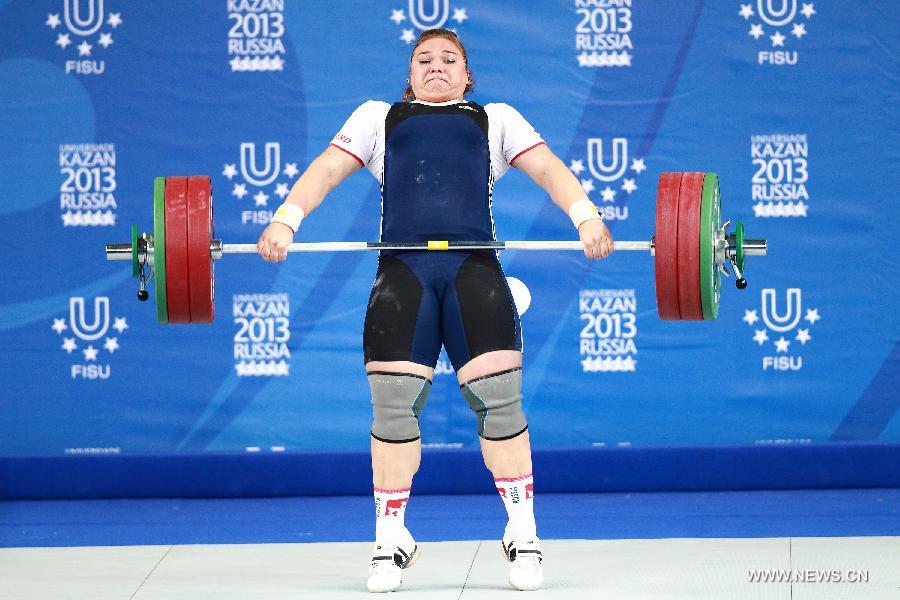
(497, 400)
(397, 402)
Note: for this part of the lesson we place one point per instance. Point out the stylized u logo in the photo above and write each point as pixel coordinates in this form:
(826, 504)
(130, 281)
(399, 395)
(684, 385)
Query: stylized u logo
(266, 175)
(776, 18)
(599, 169)
(440, 12)
(79, 25)
(98, 327)
(770, 316)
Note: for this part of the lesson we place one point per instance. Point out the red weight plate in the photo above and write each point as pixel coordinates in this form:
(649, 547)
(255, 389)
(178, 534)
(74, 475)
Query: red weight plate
(199, 235)
(177, 276)
(689, 201)
(666, 256)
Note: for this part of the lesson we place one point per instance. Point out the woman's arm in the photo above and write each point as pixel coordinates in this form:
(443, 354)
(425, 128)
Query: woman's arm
(555, 178)
(320, 177)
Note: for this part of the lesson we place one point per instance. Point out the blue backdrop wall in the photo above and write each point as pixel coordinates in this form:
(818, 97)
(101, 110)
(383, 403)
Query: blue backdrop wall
(793, 104)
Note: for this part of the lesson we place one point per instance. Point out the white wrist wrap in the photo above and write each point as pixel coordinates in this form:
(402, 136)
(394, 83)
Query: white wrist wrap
(583, 210)
(290, 215)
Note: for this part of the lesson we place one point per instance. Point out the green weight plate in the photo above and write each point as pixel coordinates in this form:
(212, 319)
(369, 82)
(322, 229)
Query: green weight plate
(739, 245)
(135, 266)
(159, 248)
(710, 222)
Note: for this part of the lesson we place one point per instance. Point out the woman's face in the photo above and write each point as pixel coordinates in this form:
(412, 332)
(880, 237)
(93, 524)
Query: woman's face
(438, 72)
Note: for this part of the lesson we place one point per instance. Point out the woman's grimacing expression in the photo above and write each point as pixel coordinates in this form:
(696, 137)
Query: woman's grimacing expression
(438, 72)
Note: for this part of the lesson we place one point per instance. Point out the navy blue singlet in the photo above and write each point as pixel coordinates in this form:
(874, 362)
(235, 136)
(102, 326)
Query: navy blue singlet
(437, 186)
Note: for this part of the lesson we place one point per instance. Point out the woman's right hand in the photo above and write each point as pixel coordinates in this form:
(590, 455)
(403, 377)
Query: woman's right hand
(272, 244)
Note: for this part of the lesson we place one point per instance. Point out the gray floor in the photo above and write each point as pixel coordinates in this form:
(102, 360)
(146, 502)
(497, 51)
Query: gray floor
(695, 569)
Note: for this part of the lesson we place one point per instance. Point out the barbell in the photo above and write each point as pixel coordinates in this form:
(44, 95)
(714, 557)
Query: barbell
(691, 248)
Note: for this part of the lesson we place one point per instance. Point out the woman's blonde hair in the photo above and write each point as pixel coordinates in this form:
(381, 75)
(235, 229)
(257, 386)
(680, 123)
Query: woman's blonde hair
(447, 35)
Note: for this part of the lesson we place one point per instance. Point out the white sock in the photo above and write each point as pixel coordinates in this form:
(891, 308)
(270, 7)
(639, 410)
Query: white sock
(390, 507)
(518, 498)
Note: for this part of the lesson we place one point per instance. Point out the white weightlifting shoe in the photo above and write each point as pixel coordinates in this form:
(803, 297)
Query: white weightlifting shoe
(526, 572)
(388, 561)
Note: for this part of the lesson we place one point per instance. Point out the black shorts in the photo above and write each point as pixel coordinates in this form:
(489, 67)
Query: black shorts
(422, 299)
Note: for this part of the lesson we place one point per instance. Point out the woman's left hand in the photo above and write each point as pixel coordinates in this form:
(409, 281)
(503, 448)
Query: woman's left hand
(596, 238)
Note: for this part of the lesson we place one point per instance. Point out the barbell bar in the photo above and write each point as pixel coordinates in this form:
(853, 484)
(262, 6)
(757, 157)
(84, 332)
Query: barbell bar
(691, 248)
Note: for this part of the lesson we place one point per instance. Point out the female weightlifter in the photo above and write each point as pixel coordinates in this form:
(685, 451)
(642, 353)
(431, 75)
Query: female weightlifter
(437, 156)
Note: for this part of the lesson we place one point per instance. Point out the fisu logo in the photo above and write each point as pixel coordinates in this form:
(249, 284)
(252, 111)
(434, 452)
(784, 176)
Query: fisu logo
(782, 317)
(84, 18)
(768, 21)
(89, 325)
(770, 316)
(72, 14)
(424, 15)
(249, 169)
(436, 17)
(619, 162)
(100, 324)
(776, 18)
(259, 168)
(608, 168)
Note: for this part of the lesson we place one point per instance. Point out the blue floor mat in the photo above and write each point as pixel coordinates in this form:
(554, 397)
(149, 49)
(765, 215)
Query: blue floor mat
(796, 513)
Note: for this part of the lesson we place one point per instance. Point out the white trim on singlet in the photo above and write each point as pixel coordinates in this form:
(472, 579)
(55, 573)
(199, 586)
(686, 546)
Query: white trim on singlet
(509, 135)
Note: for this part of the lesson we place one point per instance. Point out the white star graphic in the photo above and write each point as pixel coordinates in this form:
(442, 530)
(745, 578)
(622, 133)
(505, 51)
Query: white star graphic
(628, 364)
(587, 185)
(800, 208)
(812, 315)
(52, 20)
(281, 190)
(761, 337)
(459, 15)
(576, 166)
(781, 344)
(746, 11)
(90, 353)
(777, 39)
(629, 185)
(114, 20)
(68, 218)
(397, 16)
(408, 36)
(290, 169)
(120, 324)
(637, 165)
(69, 345)
(583, 59)
(803, 336)
(799, 30)
(62, 40)
(235, 63)
(808, 10)
(750, 317)
(625, 59)
(756, 31)
(111, 344)
(240, 190)
(229, 171)
(261, 198)
(105, 40)
(608, 194)
(59, 325)
(277, 64)
(84, 49)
